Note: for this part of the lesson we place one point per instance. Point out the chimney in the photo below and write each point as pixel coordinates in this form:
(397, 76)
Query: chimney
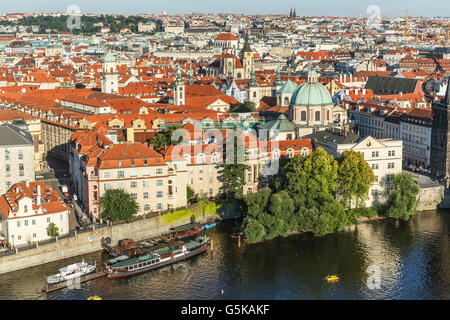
(27, 183)
(38, 197)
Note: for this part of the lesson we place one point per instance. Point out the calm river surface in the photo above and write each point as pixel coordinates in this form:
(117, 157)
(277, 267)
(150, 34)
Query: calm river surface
(413, 257)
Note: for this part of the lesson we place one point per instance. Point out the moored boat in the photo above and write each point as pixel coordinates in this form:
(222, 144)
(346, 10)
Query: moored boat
(71, 272)
(159, 258)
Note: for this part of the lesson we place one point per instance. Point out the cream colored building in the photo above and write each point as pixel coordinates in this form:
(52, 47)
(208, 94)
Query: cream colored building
(384, 156)
(16, 156)
(28, 209)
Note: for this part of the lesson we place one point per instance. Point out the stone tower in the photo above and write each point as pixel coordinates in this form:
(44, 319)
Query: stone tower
(440, 138)
(110, 77)
(253, 90)
(180, 94)
(247, 58)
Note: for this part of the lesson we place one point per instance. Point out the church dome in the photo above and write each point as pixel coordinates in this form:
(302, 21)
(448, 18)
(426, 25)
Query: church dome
(311, 94)
(109, 57)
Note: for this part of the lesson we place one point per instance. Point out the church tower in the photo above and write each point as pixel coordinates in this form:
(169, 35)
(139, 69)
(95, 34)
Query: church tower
(179, 94)
(247, 58)
(440, 141)
(277, 84)
(253, 90)
(110, 77)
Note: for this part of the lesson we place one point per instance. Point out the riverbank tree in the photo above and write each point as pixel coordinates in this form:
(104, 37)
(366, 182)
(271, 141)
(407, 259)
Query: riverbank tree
(117, 205)
(305, 196)
(402, 199)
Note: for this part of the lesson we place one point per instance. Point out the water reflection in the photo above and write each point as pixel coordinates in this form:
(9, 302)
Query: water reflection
(413, 257)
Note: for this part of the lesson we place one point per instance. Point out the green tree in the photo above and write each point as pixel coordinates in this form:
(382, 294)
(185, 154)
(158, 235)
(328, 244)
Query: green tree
(165, 138)
(233, 174)
(355, 177)
(253, 230)
(52, 230)
(248, 106)
(402, 200)
(189, 193)
(311, 180)
(117, 204)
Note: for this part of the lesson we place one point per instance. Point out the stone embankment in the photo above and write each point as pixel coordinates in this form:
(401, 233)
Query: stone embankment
(87, 242)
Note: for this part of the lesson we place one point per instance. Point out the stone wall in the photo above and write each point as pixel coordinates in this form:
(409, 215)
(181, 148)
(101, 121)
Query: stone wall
(87, 242)
(430, 198)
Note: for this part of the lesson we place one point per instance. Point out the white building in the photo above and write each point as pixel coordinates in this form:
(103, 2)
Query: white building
(27, 210)
(384, 156)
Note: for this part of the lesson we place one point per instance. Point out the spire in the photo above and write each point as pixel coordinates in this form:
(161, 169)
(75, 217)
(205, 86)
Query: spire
(179, 79)
(294, 14)
(447, 94)
(290, 13)
(246, 45)
(253, 82)
(278, 81)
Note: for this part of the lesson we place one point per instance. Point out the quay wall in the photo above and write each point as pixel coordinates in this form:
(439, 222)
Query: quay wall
(430, 198)
(87, 242)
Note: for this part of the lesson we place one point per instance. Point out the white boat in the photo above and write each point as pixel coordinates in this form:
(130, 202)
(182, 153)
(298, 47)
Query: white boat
(71, 272)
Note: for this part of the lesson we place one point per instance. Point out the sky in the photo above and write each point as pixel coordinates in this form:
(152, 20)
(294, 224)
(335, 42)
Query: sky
(348, 8)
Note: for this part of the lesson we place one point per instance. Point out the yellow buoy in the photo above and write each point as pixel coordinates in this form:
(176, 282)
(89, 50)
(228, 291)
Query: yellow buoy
(94, 298)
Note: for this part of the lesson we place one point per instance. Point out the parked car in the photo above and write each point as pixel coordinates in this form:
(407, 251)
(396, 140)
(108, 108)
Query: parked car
(65, 190)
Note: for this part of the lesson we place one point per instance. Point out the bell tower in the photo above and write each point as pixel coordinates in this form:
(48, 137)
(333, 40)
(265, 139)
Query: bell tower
(110, 77)
(440, 140)
(180, 94)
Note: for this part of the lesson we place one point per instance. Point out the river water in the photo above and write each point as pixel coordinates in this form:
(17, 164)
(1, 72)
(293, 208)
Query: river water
(413, 259)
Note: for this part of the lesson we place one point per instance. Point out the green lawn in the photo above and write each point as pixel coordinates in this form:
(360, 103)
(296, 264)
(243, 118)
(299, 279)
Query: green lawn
(185, 214)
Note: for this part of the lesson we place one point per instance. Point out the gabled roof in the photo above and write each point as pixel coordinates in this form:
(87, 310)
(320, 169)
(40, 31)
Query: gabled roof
(390, 85)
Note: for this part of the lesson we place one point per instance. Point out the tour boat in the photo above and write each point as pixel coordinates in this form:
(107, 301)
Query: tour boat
(71, 272)
(159, 258)
(186, 230)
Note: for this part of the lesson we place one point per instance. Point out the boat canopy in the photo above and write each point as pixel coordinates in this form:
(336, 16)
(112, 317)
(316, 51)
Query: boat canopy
(186, 227)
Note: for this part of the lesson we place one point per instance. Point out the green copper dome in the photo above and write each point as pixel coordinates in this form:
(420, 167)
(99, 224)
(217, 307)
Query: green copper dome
(109, 57)
(288, 87)
(311, 94)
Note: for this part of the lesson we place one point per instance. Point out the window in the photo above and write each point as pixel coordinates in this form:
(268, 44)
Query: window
(134, 184)
(26, 223)
(200, 170)
(303, 116)
(21, 169)
(317, 116)
(18, 224)
(121, 185)
(145, 195)
(146, 172)
(192, 181)
(200, 180)
(107, 186)
(48, 219)
(133, 173)
(391, 153)
(210, 179)
(159, 194)
(20, 153)
(7, 154)
(33, 222)
(210, 191)
(34, 235)
(147, 207)
(134, 196)
(391, 165)
(374, 192)
(159, 171)
(19, 237)
(146, 183)
(107, 175)
(159, 206)
(249, 177)
(374, 166)
(375, 154)
(159, 183)
(120, 174)
(8, 170)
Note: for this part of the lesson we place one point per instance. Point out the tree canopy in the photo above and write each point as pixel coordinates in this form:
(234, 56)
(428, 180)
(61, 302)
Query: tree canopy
(402, 199)
(247, 106)
(117, 204)
(355, 177)
(52, 230)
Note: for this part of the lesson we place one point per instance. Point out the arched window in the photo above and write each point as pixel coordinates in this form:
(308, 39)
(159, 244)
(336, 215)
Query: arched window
(303, 116)
(286, 100)
(254, 94)
(317, 116)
